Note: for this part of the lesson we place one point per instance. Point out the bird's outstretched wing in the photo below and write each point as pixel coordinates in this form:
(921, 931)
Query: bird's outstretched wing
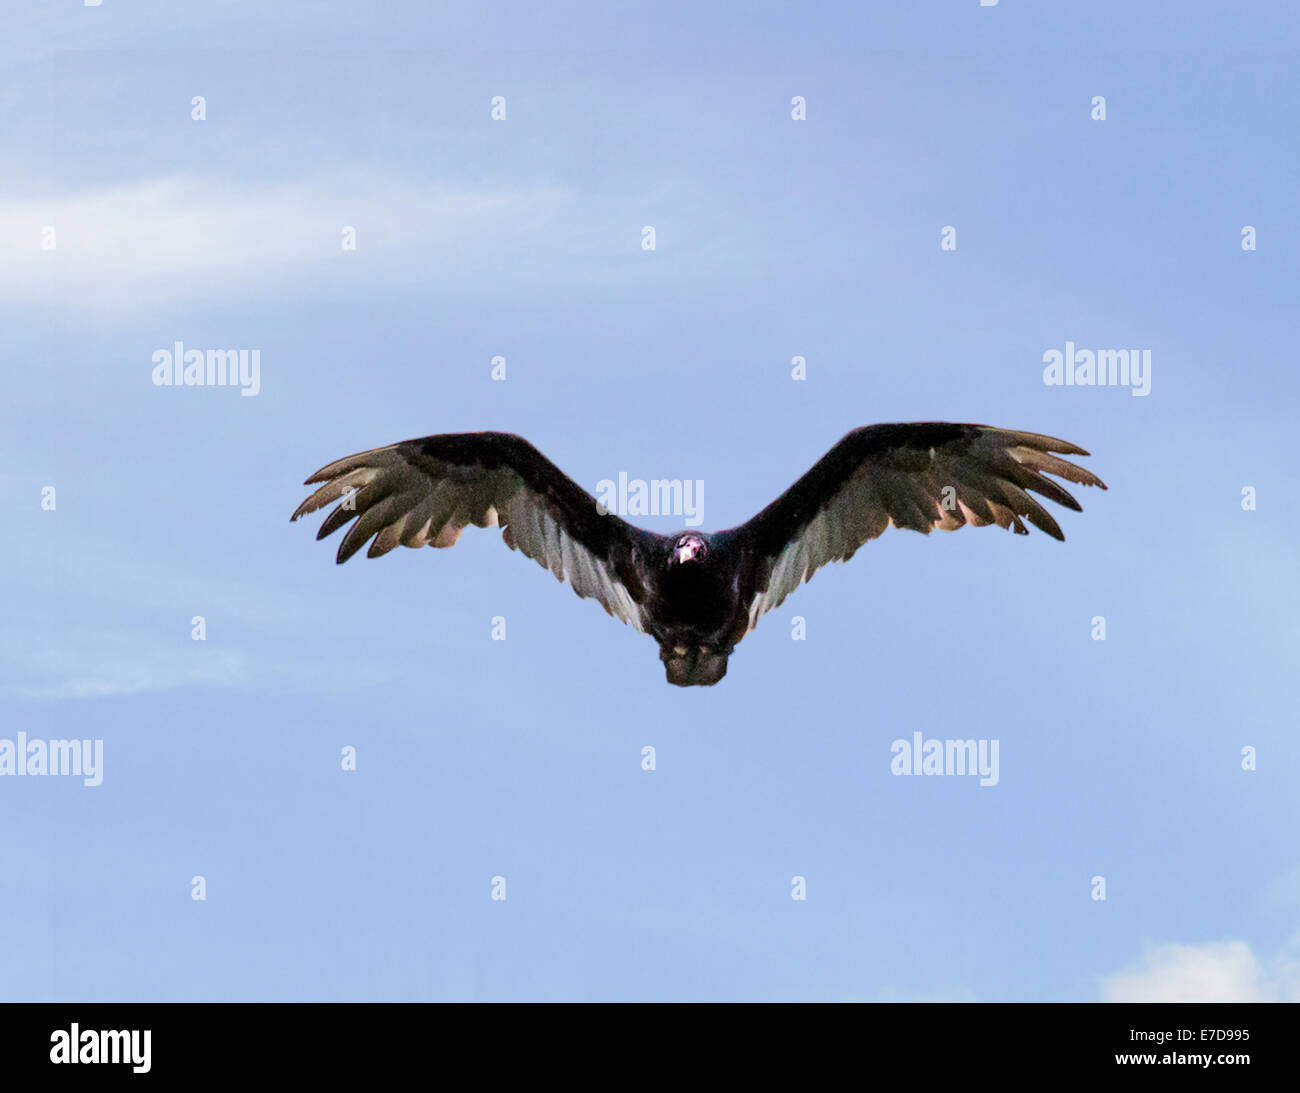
(919, 475)
(425, 492)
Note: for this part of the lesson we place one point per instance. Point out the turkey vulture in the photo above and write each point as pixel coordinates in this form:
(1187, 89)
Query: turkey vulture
(696, 593)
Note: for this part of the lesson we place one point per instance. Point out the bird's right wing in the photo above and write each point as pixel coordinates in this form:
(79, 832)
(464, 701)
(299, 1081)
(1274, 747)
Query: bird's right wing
(425, 492)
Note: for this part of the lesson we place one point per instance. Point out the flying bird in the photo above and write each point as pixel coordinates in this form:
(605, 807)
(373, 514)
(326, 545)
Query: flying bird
(696, 593)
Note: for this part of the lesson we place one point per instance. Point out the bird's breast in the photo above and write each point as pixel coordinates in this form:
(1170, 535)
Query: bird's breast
(698, 596)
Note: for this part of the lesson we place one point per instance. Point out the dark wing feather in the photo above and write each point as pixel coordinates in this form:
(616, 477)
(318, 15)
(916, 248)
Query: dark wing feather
(900, 475)
(425, 492)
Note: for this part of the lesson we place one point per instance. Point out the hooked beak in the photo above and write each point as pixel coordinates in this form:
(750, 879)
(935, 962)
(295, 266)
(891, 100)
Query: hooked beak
(686, 552)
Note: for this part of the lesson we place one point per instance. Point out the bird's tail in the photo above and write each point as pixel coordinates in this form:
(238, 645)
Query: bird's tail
(693, 666)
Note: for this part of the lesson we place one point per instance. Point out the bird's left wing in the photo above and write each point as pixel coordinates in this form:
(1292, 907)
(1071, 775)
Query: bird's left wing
(919, 475)
(425, 492)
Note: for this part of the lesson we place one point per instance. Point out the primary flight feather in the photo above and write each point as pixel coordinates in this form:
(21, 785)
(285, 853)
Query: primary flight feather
(696, 593)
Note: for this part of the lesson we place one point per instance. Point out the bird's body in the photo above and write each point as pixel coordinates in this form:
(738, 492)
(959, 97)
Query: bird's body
(697, 609)
(696, 593)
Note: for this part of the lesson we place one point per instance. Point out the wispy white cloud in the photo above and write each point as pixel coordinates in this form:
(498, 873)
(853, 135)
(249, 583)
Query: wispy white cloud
(111, 644)
(134, 244)
(1217, 971)
(102, 662)
(89, 662)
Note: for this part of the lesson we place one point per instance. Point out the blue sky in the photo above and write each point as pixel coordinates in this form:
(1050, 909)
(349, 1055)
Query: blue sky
(522, 238)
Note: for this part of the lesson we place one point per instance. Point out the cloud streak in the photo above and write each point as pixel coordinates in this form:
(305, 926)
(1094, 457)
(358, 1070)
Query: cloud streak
(134, 244)
(1218, 971)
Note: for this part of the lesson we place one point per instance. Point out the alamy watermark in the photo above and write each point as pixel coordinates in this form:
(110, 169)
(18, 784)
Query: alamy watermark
(1098, 368)
(82, 759)
(945, 757)
(658, 497)
(116, 1047)
(181, 367)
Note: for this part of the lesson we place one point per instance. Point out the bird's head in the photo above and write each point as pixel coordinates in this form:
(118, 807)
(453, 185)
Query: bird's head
(688, 548)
